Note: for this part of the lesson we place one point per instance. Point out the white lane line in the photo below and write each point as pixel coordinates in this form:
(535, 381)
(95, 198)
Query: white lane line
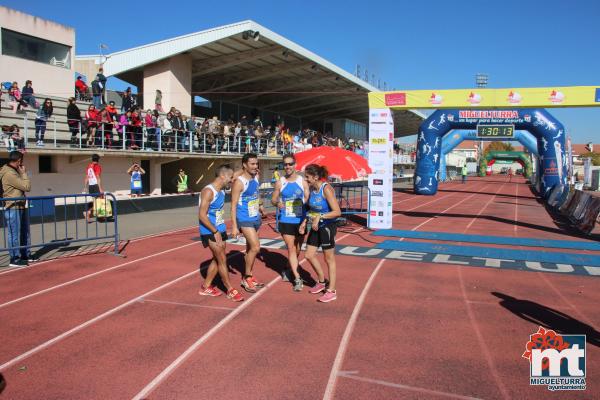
(92, 275)
(339, 357)
(484, 207)
(516, 209)
(174, 303)
(150, 387)
(352, 375)
(91, 321)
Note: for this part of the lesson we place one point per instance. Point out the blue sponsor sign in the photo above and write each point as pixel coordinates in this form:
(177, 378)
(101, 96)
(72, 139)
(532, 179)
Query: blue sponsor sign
(597, 95)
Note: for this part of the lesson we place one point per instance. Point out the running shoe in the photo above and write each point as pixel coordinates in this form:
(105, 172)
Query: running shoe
(298, 285)
(257, 283)
(327, 296)
(234, 295)
(285, 277)
(248, 284)
(318, 288)
(209, 291)
(18, 263)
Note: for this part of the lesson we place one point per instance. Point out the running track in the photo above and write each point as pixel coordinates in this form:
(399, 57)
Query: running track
(101, 327)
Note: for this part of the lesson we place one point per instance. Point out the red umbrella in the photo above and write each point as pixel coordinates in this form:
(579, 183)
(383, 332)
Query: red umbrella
(341, 164)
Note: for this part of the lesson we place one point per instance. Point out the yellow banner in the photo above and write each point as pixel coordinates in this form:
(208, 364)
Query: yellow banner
(566, 96)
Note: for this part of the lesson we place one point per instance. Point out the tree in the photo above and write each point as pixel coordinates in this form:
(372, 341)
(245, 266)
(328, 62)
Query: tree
(594, 156)
(498, 146)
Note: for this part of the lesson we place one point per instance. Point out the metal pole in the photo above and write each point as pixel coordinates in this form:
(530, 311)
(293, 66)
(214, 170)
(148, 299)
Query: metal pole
(26, 128)
(80, 134)
(175, 133)
(124, 135)
(191, 143)
(55, 132)
(102, 135)
(204, 143)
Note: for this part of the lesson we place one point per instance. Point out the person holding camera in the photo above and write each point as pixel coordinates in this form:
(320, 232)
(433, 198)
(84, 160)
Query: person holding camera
(15, 183)
(136, 172)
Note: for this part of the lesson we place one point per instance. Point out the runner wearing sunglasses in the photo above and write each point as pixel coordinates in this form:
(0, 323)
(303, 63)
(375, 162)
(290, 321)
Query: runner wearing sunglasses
(289, 196)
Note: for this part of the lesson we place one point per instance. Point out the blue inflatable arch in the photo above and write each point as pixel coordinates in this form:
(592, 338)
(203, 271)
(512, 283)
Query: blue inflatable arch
(456, 137)
(548, 131)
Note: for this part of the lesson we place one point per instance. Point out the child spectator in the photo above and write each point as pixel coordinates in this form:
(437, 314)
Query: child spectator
(14, 95)
(91, 117)
(81, 89)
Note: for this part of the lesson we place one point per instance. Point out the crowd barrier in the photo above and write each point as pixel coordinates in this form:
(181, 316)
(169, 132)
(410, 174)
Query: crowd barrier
(581, 209)
(57, 221)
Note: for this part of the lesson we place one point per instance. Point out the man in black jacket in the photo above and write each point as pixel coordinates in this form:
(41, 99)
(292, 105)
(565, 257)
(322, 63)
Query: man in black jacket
(102, 79)
(74, 121)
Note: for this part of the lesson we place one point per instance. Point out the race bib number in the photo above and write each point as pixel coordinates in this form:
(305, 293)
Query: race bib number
(137, 184)
(293, 208)
(219, 217)
(253, 208)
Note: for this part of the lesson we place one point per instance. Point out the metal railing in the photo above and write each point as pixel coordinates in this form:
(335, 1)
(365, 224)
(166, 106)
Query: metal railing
(59, 220)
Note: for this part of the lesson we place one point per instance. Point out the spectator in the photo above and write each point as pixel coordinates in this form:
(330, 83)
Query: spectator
(126, 129)
(27, 94)
(464, 173)
(243, 121)
(114, 116)
(74, 121)
(91, 118)
(158, 101)
(257, 122)
(17, 140)
(136, 172)
(182, 182)
(105, 126)
(167, 131)
(158, 121)
(137, 130)
(150, 123)
(92, 183)
(15, 182)
(97, 93)
(81, 89)
(43, 115)
(102, 79)
(7, 138)
(14, 96)
(127, 100)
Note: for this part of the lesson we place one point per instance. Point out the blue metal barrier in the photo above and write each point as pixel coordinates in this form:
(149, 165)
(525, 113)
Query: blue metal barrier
(60, 221)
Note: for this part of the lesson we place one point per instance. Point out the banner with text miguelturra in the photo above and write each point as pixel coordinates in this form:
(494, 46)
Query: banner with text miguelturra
(381, 152)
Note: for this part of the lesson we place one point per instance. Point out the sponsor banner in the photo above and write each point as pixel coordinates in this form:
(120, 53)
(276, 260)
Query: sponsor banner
(381, 161)
(564, 96)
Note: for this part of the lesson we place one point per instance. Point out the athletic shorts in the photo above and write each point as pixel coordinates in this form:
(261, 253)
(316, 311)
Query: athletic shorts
(93, 189)
(286, 228)
(324, 237)
(136, 191)
(250, 224)
(211, 237)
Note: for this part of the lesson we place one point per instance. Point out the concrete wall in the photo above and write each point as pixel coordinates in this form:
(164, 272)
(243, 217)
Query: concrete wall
(173, 77)
(47, 79)
(69, 172)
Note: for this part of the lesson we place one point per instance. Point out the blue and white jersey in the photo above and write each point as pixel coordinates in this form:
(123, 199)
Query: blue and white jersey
(215, 211)
(247, 208)
(292, 197)
(318, 205)
(136, 180)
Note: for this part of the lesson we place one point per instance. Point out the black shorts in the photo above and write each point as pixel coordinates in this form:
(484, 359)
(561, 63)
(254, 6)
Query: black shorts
(324, 237)
(211, 237)
(93, 189)
(286, 228)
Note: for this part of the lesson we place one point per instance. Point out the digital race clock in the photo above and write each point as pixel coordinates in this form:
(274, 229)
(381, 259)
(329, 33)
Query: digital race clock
(486, 131)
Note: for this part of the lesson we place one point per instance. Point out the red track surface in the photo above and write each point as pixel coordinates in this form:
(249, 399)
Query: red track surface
(77, 329)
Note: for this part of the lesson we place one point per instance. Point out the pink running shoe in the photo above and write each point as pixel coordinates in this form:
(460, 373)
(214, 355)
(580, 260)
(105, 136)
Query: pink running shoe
(327, 296)
(318, 288)
(209, 291)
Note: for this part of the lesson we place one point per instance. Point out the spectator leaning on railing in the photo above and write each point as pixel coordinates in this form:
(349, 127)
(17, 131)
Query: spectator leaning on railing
(15, 183)
(27, 94)
(43, 115)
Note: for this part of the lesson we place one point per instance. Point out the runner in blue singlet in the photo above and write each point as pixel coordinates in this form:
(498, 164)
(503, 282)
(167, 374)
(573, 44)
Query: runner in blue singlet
(136, 173)
(323, 209)
(213, 233)
(246, 214)
(289, 196)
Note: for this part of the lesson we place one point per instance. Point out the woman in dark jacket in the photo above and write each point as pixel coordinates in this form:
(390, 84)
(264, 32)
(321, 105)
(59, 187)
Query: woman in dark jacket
(74, 121)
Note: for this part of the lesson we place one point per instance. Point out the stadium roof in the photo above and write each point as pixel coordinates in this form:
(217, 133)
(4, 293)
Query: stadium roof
(271, 73)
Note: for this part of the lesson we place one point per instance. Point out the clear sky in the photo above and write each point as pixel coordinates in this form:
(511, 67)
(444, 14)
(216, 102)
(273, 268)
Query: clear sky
(433, 44)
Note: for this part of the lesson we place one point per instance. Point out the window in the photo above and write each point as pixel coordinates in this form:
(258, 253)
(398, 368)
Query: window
(45, 165)
(35, 49)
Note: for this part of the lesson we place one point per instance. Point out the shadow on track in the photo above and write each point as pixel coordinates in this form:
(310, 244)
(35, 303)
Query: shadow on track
(548, 317)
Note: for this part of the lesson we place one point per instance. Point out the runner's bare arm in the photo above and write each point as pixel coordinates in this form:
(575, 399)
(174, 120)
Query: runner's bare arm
(276, 194)
(206, 196)
(335, 212)
(236, 191)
